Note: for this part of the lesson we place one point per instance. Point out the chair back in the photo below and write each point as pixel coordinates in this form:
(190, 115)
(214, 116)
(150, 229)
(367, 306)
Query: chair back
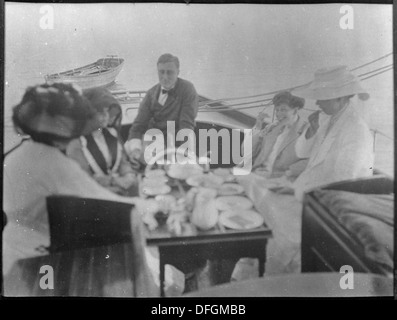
(82, 222)
(5, 220)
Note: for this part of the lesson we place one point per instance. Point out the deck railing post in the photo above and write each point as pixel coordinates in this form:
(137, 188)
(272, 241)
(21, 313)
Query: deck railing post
(374, 143)
(274, 109)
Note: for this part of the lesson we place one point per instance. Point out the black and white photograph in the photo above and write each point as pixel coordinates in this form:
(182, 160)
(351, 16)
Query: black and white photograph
(198, 150)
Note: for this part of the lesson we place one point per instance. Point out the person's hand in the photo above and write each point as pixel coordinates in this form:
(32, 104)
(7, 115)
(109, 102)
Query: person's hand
(314, 124)
(289, 174)
(116, 189)
(260, 118)
(263, 172)
(125, 181)
(284, 190)
(135, 154)
(104, 181)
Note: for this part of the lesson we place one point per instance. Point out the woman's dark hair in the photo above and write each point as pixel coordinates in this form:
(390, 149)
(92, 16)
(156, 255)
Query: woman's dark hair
(116, 112)
(289, 99)
(103, 100)
(42, 137)
(58, 99)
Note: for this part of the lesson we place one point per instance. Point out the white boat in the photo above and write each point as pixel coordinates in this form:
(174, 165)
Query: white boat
(98, 74)
(327, 244)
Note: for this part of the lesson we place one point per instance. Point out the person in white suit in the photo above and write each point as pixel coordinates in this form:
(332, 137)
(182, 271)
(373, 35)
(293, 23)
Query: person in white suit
(338, 141)
(339, 146)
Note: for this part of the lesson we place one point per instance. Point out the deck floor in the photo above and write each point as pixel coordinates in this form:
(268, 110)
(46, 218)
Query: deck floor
(219, 272)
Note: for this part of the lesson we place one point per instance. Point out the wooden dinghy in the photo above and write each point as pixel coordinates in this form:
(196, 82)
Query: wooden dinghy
(98, 74)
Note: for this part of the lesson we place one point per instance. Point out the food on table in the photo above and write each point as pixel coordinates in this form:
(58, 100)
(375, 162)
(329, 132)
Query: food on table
(176, 221)
(152, 186)
(149, 208)
(225, 173)
(205, 213)
(190, 199)
(183, 171)
(241, 221)
(205, 181)
(229, 189)
(233, 203)
(166, 202)
(154, 181)
(155, 173)
(237, 219)
(151, 190)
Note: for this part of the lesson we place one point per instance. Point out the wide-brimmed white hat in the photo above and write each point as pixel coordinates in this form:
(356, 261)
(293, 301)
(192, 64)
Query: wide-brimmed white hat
(332, 83)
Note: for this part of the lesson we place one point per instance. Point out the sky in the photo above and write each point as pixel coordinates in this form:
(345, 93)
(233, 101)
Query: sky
(285, 41)
(226, 50)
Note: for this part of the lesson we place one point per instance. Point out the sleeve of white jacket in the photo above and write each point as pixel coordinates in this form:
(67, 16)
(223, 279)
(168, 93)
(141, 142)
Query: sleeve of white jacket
(351, 157)
(355, 158)
(303, 146)
(70, 179)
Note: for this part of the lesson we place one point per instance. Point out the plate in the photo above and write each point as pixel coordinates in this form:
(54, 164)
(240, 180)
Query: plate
(229, 189)
(276, 183)
(154, 181)
(241, 220)
(227, 203)
(205, 181)
(225, 173)
(155, 173)
(183, 171)
(150, 190)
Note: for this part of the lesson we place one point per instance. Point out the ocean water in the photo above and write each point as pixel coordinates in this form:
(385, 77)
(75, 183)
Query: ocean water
(225, 50)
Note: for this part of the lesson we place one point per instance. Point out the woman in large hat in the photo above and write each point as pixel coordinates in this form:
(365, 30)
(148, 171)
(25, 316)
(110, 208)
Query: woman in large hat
(52, 115)
(338, 141)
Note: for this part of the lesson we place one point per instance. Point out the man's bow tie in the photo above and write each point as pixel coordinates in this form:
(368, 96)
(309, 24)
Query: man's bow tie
(164, 91)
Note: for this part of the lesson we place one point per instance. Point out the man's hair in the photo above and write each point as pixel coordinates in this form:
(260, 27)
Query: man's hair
(289, 99)
(168, 57)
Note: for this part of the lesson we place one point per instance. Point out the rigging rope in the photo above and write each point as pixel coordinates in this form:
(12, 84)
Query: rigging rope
(205, 106)
(366, 64)
(371, 74)
(372, 71)
(295, 87)
(377, 74)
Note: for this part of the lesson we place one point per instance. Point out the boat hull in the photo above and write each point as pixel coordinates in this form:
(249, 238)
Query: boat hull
(94, 79)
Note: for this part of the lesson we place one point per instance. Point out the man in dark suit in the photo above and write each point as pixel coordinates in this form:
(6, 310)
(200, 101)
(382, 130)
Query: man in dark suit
(172, 99)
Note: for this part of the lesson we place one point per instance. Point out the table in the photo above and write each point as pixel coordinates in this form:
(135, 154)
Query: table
(302, 285)
(187, 250)
(106, 271)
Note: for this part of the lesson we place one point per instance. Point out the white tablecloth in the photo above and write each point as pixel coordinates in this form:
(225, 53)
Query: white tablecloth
(283, 215)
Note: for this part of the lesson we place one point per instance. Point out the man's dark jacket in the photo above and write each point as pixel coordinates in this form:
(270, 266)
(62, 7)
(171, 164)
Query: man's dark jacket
(181, 106)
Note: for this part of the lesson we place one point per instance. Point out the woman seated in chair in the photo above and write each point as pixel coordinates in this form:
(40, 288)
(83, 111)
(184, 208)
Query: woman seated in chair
(274, 146)
(52, 115)
(101, 153)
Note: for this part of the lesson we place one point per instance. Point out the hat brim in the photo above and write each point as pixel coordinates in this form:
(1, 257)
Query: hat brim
(62, 126)
(310, 91)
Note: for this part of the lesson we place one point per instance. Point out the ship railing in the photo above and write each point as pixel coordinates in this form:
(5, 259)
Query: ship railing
(264, 101)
